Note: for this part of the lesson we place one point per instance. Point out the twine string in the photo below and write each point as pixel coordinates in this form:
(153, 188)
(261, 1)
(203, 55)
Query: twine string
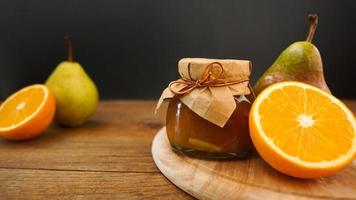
(206, 80)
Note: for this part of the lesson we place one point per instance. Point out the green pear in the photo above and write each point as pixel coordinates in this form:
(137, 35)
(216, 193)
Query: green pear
(301, 61)
(76, 94)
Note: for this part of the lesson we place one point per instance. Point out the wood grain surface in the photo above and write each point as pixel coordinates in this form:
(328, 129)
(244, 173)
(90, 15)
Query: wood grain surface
(107, 158)
(250, 178)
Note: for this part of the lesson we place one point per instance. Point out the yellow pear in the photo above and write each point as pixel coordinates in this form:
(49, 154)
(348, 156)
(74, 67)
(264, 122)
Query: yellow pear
(75, 92)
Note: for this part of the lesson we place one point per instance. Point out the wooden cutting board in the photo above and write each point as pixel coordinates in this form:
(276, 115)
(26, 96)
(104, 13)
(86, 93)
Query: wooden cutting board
(245, 179)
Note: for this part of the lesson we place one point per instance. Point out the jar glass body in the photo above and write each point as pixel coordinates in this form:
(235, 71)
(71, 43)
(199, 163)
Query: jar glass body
(193, 135)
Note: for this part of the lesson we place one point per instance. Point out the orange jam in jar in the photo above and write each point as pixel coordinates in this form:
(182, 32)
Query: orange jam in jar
(189, 133)
(208, 109)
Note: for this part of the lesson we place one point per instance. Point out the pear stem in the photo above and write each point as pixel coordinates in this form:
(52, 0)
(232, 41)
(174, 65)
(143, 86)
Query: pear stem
(69, 45)
(313, 23)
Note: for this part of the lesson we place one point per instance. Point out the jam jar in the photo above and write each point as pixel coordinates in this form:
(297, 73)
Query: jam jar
(191, 134)
(190, 130)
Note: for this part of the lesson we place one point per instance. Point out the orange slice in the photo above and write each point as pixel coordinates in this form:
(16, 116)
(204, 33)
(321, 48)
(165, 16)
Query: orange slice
(27, 113)
(302, 131)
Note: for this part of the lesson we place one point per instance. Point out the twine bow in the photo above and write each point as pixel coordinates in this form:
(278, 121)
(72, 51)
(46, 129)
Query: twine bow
(206, 80)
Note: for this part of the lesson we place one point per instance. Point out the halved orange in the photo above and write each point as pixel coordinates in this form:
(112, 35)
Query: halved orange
(27, 113)
(302, 131)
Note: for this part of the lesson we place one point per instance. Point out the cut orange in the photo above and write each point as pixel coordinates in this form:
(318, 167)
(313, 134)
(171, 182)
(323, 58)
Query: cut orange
(27, 113)
(302, 131)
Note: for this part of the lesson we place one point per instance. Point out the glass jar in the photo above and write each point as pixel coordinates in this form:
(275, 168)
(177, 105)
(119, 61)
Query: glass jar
(191, 134)
(208, 109)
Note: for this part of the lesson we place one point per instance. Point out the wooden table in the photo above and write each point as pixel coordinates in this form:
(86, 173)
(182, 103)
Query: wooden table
(109, 157)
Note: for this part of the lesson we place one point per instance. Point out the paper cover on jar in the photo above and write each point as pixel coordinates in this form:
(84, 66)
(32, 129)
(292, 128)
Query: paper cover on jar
(213, 99)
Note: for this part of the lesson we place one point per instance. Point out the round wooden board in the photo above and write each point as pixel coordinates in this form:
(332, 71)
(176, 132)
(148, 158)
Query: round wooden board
(245, 179)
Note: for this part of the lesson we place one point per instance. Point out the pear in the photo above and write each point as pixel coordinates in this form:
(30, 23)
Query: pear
(75, 93)
(301, 61)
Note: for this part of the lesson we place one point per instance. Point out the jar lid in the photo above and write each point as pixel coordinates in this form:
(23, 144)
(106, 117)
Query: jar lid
(208, 86)
(234, 70)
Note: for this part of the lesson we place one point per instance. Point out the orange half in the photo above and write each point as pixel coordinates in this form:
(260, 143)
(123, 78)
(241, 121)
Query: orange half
(302, 131)
(27, 113)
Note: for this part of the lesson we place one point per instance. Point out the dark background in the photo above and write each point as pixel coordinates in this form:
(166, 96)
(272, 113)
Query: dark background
(131, 47)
